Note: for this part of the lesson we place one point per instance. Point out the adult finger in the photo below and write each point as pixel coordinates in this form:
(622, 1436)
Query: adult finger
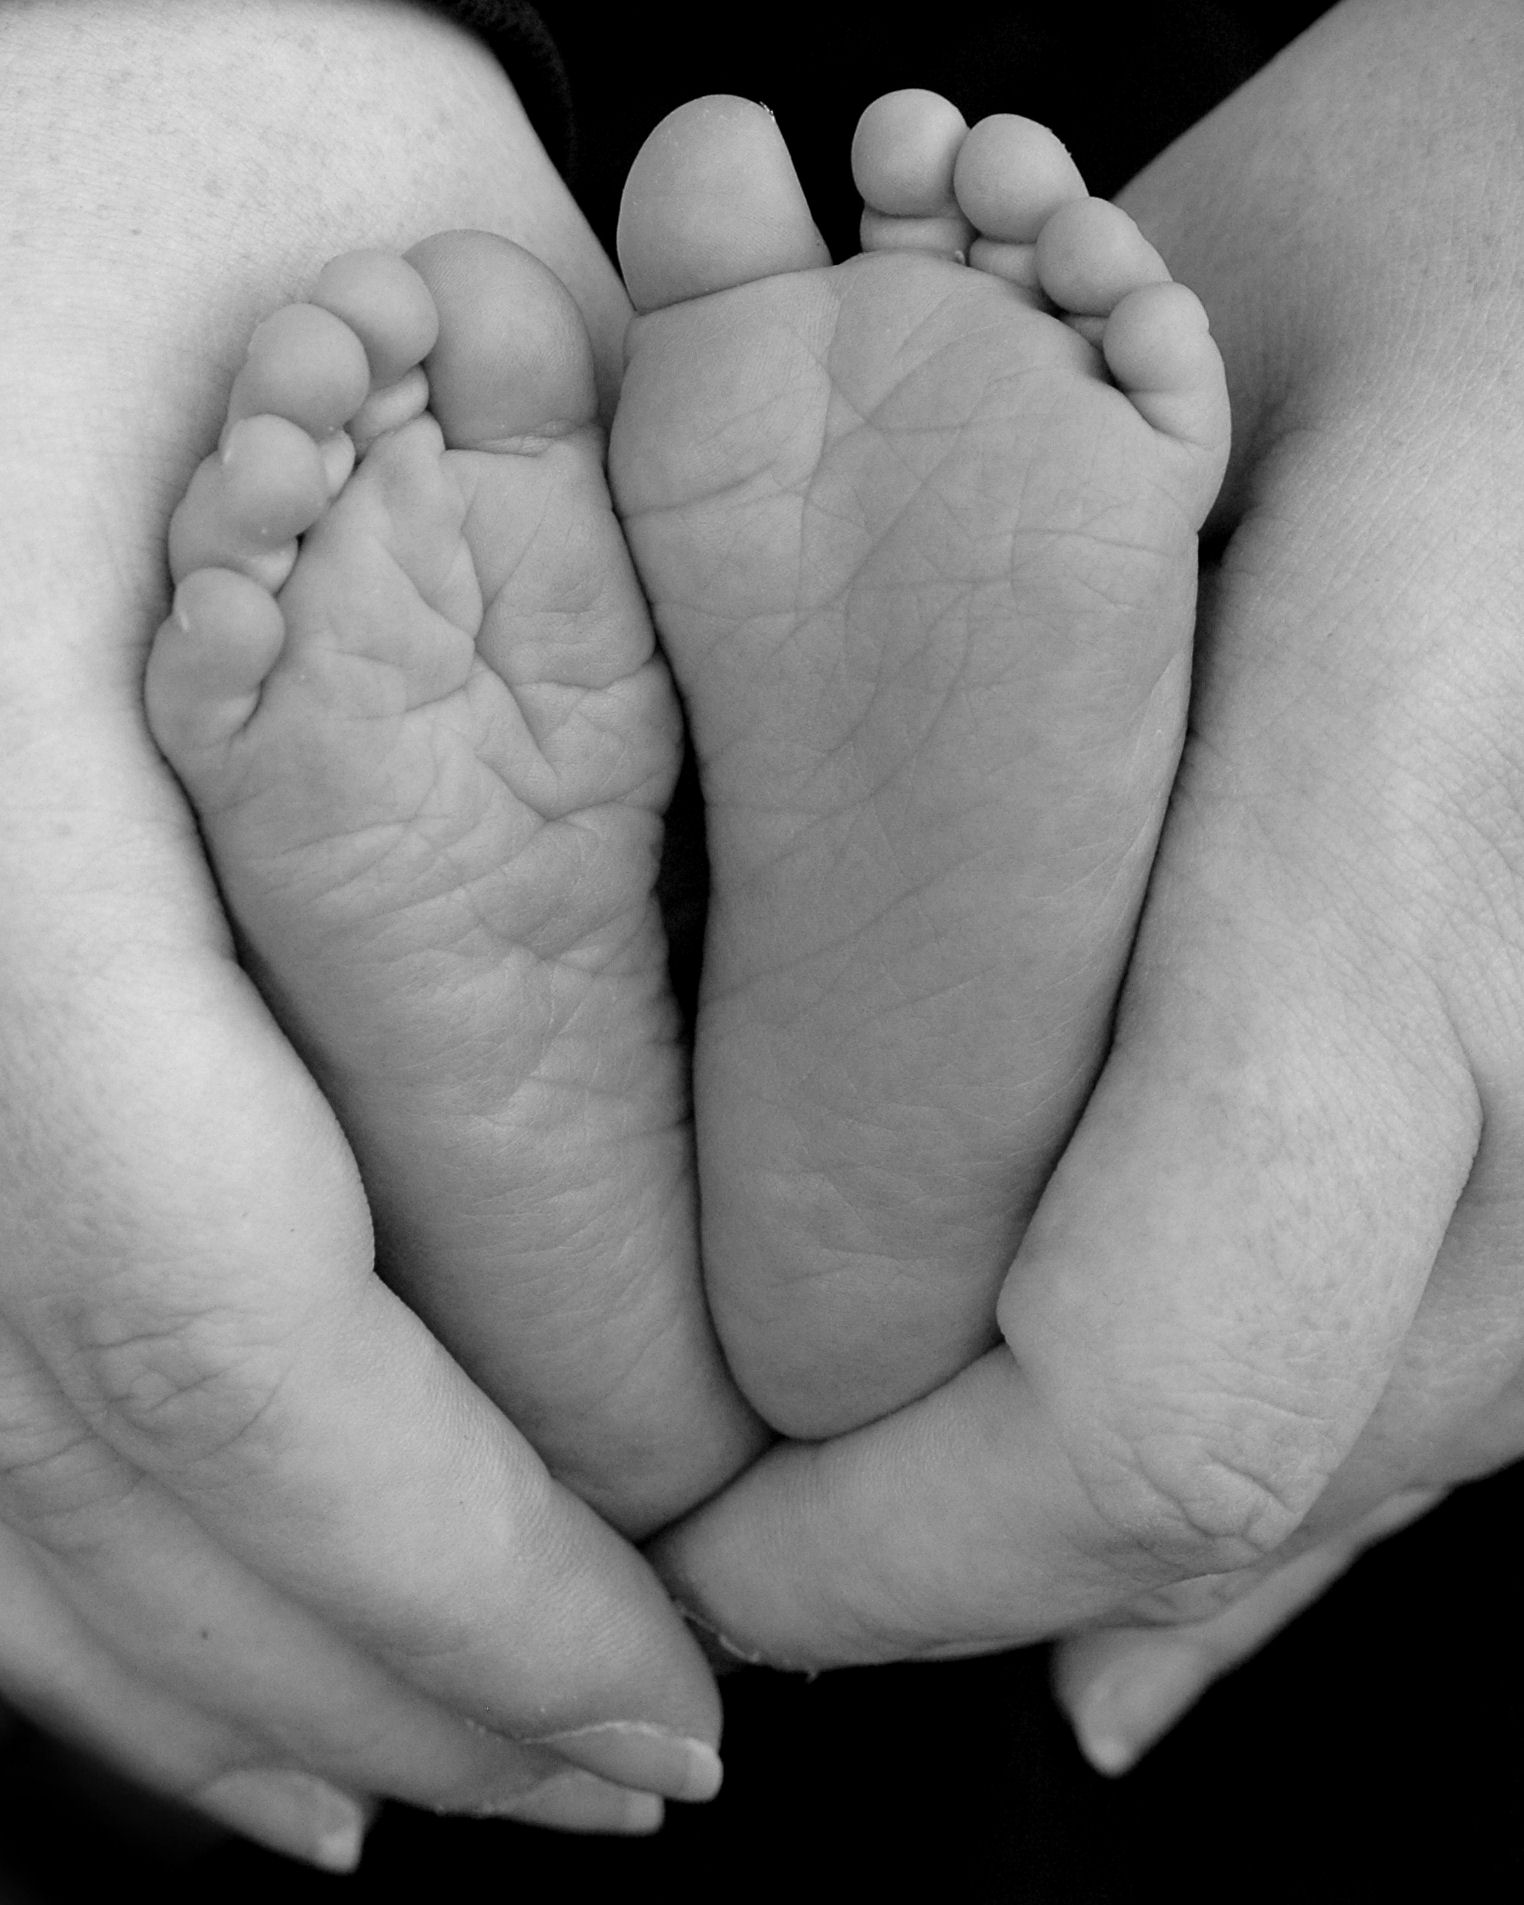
(1452, 1410)
(247, 1360)
(1125, 1687)
(126, 1625)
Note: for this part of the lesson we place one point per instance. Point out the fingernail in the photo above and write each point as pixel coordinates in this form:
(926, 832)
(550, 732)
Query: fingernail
(635, 1754)
(338, 454)
(723, 1654)
(1124, 1714)
(291, 1812)
(233, 438)
(580, 1802)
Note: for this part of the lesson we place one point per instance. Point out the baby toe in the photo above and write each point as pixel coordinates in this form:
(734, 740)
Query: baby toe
(1010, 177)
(206, 667)
(247, 504)
(1090, 254)
(386, 304)
(1159, 349)
(903, 154)
(513, 358)
(306, 365)
(711, 202)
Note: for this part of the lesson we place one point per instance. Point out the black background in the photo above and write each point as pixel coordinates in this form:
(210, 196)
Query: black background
(1372, 1753)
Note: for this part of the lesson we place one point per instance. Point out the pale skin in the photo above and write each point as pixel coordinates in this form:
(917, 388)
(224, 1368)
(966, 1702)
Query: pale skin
(127, 831)
(923, 560)
(218, 1424)
(283, 1802)
(430, 748)
(1267, 1309)
(429, 744)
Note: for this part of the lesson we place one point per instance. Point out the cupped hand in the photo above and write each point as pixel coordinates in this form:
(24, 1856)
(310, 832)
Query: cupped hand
(261, 1541)
(1268, 1306)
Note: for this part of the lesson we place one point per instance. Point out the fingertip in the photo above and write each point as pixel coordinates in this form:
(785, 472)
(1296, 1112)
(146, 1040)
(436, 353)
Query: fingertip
(1122, 1700)
(650, 1758)
(1106, 1752)
(293, 1812)
(577, 1801)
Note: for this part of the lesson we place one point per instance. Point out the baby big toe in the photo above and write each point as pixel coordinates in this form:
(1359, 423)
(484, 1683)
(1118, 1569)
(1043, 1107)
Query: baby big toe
(513, 359)
(712, 201)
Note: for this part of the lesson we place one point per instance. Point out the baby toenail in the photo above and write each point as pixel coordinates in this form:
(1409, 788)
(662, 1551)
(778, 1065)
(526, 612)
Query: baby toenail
(338, 454)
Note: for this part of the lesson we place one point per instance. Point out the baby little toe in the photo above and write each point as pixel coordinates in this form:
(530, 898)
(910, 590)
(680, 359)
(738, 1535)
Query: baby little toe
(1159, 349)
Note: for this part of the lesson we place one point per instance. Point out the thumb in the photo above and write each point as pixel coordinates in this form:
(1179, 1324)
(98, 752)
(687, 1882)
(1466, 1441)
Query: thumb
(1202, 1315)
(1123, 1688)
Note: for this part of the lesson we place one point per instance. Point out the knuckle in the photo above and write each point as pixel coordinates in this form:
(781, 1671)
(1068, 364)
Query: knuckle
(1196, 1604)
(51, 1470)
(175, 1390)
(1197, 1503)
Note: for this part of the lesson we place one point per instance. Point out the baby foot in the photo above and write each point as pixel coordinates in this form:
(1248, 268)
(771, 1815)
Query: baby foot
(920, 540)
(415, 702)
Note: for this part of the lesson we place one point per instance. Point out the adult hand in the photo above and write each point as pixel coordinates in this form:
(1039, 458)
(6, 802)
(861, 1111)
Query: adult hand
(1268, 1306)
(261, 1542)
